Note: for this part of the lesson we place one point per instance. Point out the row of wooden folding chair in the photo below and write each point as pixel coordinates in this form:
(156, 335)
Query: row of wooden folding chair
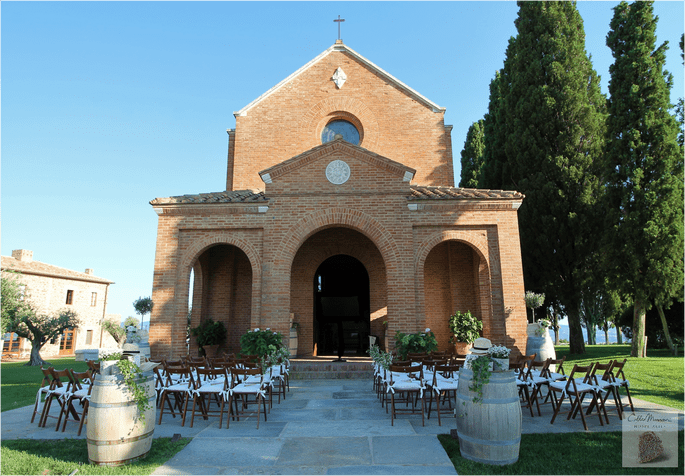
(66, 387)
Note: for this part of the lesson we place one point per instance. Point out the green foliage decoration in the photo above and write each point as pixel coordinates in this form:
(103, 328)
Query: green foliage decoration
(384, 359)
(465, 327)
(480, 366)
(132, 373)
(422, 342)
(260, 342)
(143, 306)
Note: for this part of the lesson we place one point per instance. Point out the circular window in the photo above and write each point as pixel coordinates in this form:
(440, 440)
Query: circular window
(348, 131)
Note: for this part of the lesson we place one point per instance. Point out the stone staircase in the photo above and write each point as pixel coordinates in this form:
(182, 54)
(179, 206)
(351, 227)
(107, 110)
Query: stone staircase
(317, 368)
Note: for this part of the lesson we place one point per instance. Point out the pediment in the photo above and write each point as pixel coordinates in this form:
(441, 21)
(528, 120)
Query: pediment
(338, 163)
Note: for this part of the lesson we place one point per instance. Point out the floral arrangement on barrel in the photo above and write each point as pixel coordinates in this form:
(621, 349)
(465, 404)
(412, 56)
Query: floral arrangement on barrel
(543, 324)
(422, 342)
(499, 356)
(209, 333)
(466, 328)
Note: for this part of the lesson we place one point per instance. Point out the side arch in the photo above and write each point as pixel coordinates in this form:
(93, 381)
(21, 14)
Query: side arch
(477, 241)
(191, 254)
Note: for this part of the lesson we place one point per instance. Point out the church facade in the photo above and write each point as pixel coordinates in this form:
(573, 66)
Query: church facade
(340, 213)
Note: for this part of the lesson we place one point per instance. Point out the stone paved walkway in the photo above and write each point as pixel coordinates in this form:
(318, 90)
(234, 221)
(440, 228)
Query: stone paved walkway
(323, 427)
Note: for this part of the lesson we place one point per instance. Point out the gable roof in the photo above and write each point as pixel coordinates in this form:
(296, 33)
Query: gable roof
(42, 269)
(340, 47)
(339, 144)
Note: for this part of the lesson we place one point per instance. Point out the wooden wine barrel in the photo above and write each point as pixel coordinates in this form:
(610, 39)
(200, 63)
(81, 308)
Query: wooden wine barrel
(543, 346)
(292, 347)
(115, 435)
(489, 431)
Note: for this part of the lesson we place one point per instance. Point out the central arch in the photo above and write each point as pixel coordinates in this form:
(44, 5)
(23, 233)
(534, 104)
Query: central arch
(354, 259)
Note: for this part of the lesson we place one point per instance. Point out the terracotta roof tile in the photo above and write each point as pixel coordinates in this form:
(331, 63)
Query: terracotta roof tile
(420, 192)
(235, 196)
(36, 267)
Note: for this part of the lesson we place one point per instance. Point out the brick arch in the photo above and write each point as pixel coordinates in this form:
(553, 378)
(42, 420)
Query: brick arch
(191, 254)
(316, 249)
(477, 241)
(344, 217)
(318, 115)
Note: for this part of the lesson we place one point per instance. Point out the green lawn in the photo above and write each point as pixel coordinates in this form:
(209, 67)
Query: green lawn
(657, 378)
(65, 456)
(20, 382)
(561, 453)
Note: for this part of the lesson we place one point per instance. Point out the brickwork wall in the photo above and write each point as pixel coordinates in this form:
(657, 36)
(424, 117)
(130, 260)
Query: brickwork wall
(290, 121)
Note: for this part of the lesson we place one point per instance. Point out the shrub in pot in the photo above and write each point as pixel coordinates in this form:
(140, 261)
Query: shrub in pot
(466, 328)
(209, 333)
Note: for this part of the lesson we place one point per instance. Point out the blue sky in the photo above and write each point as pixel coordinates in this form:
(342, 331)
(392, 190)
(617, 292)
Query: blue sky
(108, 105)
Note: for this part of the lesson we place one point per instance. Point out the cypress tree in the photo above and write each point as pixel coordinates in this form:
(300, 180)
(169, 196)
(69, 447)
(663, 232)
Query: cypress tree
(494, 134)
(554, 113)
(472, 156)
(644, 169)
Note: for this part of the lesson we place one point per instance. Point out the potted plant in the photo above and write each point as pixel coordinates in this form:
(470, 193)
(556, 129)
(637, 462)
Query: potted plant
(465, 329)
(209, 335)
(500, 357)
(422, 342)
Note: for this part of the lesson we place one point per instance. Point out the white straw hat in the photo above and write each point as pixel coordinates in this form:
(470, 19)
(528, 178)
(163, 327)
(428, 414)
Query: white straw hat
(480, 346)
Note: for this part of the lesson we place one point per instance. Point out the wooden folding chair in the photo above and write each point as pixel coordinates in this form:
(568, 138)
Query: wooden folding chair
(444, 384)
(620, 381)
(42, 391)
(576, 389)
(82, 386)
(59, 390)
(406, 385)
(210, 384)
(247, 388)
(179, 382)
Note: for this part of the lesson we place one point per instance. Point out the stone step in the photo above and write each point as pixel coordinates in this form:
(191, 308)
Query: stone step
(307, 369)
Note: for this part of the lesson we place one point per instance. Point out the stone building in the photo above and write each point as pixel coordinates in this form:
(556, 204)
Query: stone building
(51, 289)
(339, 210)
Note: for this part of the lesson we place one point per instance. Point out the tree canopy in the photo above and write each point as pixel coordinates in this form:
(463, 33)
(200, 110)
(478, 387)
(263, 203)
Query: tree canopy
(643, 169)
(553, 118)
(472, 155)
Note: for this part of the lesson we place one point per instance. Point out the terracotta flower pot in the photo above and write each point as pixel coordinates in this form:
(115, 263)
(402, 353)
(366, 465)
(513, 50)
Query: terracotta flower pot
(462, 348)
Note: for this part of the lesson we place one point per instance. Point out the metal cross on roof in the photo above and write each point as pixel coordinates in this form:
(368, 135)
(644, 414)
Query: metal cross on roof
(338, 22)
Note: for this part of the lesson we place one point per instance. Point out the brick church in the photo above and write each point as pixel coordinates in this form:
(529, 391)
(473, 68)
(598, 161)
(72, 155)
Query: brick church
(340, 214)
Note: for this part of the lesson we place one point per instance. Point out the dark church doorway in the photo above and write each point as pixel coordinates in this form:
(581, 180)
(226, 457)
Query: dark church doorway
(341, 303)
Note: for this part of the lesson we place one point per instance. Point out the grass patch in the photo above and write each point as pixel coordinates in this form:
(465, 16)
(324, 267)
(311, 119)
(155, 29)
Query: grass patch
(21, 382)
(657, 378)
(561, 453)
(64, 456)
